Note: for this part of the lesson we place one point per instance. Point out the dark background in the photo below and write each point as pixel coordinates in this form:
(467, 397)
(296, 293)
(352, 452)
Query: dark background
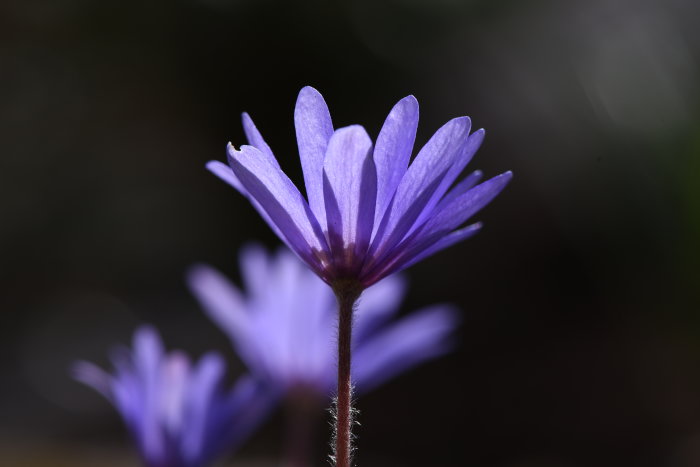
(581, 339)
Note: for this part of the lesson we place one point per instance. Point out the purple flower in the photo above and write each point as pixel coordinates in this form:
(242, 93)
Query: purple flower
(369, 213)
(284, 327)
(179, 413)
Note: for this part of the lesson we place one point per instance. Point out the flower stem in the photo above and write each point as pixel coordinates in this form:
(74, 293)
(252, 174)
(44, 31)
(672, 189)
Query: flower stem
(347, 295)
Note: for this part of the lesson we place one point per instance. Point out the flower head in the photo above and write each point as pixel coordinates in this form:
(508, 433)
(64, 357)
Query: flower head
(284, 326)
(367, 212)
(179, 413)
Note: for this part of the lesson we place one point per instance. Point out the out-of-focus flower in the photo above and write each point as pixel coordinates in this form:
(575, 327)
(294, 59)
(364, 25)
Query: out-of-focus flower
(369, 213)
(179, 413)
(284, 327)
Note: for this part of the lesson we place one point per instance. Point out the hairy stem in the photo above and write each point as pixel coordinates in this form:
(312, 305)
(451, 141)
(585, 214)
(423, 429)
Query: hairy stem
(347, 296)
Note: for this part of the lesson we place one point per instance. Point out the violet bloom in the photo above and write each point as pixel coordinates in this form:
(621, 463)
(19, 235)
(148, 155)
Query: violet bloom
(283, 326)
(367, 212)
(179, 413)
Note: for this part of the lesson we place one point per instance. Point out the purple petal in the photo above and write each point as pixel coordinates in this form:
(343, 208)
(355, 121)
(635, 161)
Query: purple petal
(459, 189)
(282, 202)
(457, 210)
(93, 376)
(204, 383)
(448, 240)
(175, 374)
(148, 348)
(470, 146)
(225, 173)
(148, 355)
(464, 206)
(412, 340)
(128, 396)
(222, 302)
(254, 137)
(251, 401)
(254, 269)
(420, 182)
(350, 188)
(377, 304)
(314, 129)
(304, 295)
(294, 350)
(393, 151)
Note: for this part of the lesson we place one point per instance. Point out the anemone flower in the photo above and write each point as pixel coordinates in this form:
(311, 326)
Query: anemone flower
(179, 413)
(367, 213)
(283, 328)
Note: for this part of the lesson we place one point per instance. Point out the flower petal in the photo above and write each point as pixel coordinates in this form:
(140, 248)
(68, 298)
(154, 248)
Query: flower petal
(462, 187)
(254, 137)
(221, 300)
(418, 185)
(225, 173)
(436, 234)
(393, 151)
(448, 240)
(245, 407)
(459, 210)
(148, 356)
(314, 129)
(377, 304)
(175, 373)
(350, 187)
(255, 269)
(469, 148)
(412, 340)
(203, 385)
(282, 203)
(93, 376)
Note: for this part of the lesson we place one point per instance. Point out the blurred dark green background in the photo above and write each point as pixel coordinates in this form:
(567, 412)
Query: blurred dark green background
(581, 339)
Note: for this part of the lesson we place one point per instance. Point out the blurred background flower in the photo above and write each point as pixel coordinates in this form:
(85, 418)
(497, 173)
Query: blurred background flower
(580, 344)
(179, 413)
(284, 327)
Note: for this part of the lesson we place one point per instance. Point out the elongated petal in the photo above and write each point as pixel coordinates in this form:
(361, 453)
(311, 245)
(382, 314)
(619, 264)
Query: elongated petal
(221, 300)
(254, 269)
(466, 205)
(421, 336)
(350, 187)
(418, 254)
(393, 151)
(148, 355)
(469, 148)
(128, 397)
(175, 373)
(420, 182)
(377, 304)
(459, 189)
(205, 381)
(282, 202)
(93, 376)
(430, 238)
(314, 129)
(254, 137)
(225, 173)
(251, 400)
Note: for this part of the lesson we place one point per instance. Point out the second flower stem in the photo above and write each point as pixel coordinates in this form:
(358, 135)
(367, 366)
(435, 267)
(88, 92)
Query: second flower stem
(347, 296)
